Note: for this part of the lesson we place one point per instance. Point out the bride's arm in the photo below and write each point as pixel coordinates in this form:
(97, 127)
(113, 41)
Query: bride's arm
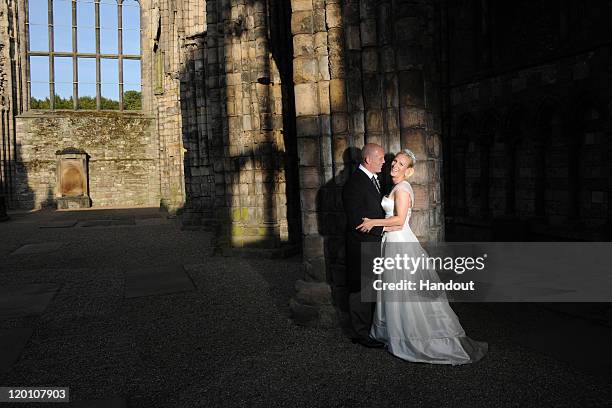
(402, 204)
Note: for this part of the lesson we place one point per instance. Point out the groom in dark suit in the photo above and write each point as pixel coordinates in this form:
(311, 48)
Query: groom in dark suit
(361, 197)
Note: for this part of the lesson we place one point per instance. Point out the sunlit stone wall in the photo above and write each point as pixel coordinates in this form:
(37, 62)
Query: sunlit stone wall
(367, 73)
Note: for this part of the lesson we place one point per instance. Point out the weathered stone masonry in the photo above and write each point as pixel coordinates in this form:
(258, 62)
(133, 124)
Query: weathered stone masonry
(253, 114)
(373, 79)
(529, 120)
(123, 147)
(122, 156)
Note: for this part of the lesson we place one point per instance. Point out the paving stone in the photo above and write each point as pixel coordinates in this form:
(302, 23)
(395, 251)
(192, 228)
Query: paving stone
(151, 221)
(26, 300)
(116, 402)
(12, 342)
(96, 223)
(124, 221)
(38, 248)
(108, 223)
(147, 216)
(156, 281)
(59, 224)
(25, 221)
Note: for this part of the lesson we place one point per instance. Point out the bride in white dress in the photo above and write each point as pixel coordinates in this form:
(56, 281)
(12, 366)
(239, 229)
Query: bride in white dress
(417, 328)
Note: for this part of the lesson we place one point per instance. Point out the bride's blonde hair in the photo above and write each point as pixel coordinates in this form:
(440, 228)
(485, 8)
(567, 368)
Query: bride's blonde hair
(412, 157)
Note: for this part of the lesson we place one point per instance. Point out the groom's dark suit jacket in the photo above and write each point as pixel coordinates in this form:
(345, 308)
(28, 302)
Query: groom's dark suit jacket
(361, 199)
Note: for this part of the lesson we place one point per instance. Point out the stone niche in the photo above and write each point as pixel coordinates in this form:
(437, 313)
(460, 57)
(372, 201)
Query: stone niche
(72, 179)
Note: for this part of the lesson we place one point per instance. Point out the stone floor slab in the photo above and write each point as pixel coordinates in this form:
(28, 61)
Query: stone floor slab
(116, 402)
(28, 249)
(12, 342)
(25, 300)
(148, 216)
(157, 281)
(151, 221)
(59, 224)
(108, 223)
(96, 223)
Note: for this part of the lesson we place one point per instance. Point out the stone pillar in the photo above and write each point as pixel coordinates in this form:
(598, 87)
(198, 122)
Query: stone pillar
(245, 122)
(330, 207)
(371, 79)
(354, 86)
(365, 75)
(419, 110)
(388, 77)
(312, 303)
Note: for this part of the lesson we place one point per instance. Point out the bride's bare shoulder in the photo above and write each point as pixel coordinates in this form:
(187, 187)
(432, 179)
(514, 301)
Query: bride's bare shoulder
(402, 186)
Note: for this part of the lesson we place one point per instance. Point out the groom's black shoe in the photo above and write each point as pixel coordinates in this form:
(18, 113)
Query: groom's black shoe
(369, 342)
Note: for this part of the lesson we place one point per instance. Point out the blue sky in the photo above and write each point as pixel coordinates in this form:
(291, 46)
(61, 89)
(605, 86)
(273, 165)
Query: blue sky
(62, 33)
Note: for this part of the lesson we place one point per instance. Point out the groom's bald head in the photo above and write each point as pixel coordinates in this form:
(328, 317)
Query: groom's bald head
(372, 157)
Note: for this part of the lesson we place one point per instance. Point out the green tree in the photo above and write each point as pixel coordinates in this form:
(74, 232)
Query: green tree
(40, 103)
(109, 104)
(87, 102)
(131, 101)
(61, 103)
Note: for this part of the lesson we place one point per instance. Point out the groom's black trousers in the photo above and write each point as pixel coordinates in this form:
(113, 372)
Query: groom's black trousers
(360, 199)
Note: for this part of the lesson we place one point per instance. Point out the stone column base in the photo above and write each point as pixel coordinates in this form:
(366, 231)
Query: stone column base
(65, 203)
(312, 305)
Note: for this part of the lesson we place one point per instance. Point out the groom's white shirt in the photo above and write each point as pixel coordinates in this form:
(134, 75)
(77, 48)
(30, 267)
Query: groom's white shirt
(367, 172)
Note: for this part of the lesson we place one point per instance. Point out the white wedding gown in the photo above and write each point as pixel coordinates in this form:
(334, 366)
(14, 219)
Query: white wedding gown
(415, 328)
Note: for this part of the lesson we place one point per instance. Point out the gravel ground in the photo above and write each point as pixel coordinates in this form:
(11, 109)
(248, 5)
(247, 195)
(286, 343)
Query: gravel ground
(230, 342)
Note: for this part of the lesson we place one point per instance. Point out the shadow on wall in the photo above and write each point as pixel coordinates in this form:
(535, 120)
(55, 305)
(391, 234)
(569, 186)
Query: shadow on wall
(241, 167)
(19, 194)
(533, 174)
(332, 227)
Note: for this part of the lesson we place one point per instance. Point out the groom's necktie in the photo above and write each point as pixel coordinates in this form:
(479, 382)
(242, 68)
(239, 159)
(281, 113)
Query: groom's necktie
(376, 184)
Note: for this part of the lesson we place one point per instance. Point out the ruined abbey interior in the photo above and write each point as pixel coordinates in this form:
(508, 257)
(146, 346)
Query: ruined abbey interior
(246, 116)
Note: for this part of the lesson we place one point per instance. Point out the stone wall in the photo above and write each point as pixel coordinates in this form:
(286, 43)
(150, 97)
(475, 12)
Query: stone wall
(255, 111)
(273, 105)
(124, 147)
(529, 120)
(234, 130)
(163, 31)
(123, 158)
(366, 71)
(11, 94)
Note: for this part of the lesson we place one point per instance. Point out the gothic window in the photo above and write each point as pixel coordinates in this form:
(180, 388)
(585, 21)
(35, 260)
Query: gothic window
(84, 54)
